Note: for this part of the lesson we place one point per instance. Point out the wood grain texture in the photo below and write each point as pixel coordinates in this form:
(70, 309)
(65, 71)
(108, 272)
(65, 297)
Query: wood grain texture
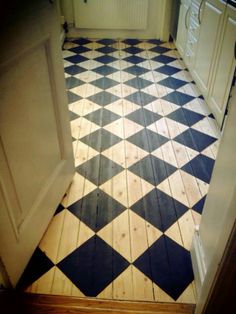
(61, 305)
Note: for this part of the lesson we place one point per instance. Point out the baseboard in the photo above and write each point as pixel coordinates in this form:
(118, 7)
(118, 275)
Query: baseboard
(106, 33)
(197, 256)
(29, 303)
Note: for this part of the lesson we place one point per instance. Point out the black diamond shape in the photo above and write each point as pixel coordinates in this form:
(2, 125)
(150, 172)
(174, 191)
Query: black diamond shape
(105, 70)
(170, 266)
(138, 83)
(136, 70)
(159, 209)
(131, 41)
(198, 207)
(168, 70)
(74, 69)
(134, 59)
(185, 116)
(96, 209)
(102, 117)
(76, 59)
(133, 50)
(152, 169)
(104, 83)
(105, 59)
(73, 82)
(141, 98)
(195, 139)
(101, 140)
(201, 167)
(106, 49)
(159, 49)
(38, 265)
(144, 117)
(147, 140)
(172, 82)
(93, 266)
(178, 98)
(72, 115)
(59, 209)
(162, 58)
(72, 97)
(155, 41)
(81, 41)
(106, 41)
(79, 49)
(99, 169)
(103, 98)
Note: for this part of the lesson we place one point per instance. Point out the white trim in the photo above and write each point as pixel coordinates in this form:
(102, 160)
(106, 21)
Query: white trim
(199, 267)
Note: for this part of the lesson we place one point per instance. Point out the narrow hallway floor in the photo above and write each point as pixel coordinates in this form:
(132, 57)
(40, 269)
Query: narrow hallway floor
(144, 145)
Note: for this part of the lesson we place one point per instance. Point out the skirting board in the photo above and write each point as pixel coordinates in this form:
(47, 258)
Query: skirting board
(199, 267)
(103, 33)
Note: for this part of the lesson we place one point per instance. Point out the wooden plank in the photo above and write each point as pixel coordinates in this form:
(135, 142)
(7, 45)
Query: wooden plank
(62, 305)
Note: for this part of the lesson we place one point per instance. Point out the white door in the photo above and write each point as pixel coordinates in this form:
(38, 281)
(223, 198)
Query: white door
(36, 160)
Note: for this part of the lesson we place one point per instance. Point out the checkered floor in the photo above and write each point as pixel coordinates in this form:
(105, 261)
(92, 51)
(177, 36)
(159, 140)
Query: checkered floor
(144, 145)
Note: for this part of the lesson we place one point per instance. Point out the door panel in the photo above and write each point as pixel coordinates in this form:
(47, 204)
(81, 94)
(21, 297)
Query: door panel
(36, 160)
(224, 68)
(209, 32)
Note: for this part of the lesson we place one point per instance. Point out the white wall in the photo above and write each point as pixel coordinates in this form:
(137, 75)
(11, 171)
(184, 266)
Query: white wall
(219, 213)
(158, 22)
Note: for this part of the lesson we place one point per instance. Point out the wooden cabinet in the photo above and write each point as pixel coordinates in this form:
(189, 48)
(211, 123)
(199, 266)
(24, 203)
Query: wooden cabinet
(208, 42)
(224, 67)
(182, 32)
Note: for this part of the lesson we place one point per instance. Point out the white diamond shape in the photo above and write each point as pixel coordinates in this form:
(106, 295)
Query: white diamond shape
(183, 75)
(62, 285)
(187, 227)
(51, 239)
(162, 107)
(126, 188)
(78, 234)
(123, 127)
(197, 105)
(117, 235)
(79, 188)
(88, 76)
(166, 152)
(167, 127)
(83, 153)
(81, 127)
(207, 126)
(86, 90)
(122, 107)
(90, 64)
(190, 89)
(125, 154)
(83, 107)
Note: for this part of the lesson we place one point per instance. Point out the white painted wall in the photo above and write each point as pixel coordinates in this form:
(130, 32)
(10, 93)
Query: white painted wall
(219, 213)
(158, 22)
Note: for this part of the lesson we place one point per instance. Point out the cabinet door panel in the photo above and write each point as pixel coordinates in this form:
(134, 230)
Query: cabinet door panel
(210, 26)
(224, 68)
(182, 27)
